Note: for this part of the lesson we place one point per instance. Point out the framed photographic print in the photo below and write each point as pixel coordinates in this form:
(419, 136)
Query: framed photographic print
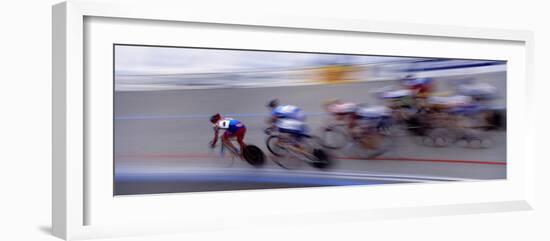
(179, 121)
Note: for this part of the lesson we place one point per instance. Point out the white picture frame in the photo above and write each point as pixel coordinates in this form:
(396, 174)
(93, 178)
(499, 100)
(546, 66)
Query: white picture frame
(73, 187)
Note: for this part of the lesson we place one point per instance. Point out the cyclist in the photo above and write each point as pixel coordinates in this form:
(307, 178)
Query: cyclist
(288, 120)
(489, 115)
(285, 111)
(339, 108)
(401, 102)
(421, 87)
(372, 115)
(450, 111)
(367, 122)
(233, 129)
(445, 103)
(397, 99)
(294, 128)
(342, 112)
(480, 92)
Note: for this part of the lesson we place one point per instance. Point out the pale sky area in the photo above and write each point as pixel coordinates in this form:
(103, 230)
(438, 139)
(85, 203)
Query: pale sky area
(168, 60)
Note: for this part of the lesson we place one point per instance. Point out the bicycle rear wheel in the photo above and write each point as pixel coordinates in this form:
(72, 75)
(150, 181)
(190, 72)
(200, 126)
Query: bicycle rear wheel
(323, 161)
(254, 155)
(384, 144)
(441, 137)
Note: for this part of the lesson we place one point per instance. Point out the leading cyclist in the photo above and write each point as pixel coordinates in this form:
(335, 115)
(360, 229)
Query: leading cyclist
(233, 129)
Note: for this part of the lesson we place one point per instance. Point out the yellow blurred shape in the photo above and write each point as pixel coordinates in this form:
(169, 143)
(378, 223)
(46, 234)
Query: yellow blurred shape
(337, 74)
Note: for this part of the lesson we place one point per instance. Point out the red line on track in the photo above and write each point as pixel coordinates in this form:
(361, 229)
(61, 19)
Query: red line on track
(429, 160)
(411, 159)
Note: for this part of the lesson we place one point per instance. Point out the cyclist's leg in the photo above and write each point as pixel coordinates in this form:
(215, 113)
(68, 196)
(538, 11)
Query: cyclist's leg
(296, 137)
(226, 140)
(298, 141)
(240, 138)
(355, 126)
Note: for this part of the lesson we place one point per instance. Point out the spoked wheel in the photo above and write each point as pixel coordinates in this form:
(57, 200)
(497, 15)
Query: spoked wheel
(396, 130)
(383, 144)
(273, 146)
(439, 137)
(281, 155)
(475, 142)
(254, 155)
(333, 138)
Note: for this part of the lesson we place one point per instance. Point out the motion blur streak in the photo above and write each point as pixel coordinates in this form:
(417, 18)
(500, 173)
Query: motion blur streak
(414, 120)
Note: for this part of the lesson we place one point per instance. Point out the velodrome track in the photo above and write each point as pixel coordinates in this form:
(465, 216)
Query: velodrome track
(161, 143)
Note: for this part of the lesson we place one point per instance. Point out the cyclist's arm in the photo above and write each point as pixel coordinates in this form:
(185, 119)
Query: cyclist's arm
(271, 121)
(215, 139)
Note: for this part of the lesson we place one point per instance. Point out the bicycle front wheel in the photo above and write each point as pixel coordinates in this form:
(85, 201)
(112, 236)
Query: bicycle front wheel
(374, 146)
(272, 143)
(333, 138)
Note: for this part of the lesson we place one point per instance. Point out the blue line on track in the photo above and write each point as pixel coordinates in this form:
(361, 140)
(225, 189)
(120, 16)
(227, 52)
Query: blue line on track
(191, 117)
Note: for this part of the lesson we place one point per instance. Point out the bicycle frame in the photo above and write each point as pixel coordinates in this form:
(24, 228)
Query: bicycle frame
(296, 152)
(223, 146)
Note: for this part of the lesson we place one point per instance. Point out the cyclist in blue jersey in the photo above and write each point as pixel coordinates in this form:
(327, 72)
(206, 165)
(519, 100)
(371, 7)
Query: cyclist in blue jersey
(422, 87)
(233, 129)
(287, 119)
(285, 111)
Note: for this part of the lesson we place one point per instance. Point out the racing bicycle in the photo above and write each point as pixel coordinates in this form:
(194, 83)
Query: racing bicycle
(365, 143)
(290, 154)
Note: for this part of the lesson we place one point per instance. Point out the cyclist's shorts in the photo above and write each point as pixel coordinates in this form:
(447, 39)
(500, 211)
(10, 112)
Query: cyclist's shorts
(236, 132)
(296, 133)
(293, 132)
(369, 123)
(290, 126)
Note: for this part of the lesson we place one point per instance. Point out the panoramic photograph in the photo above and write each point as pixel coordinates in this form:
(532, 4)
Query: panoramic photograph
(190, 119)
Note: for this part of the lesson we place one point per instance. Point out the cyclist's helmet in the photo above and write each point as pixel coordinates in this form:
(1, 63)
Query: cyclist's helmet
(215, 118)
(273, 103)
(409, 80)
